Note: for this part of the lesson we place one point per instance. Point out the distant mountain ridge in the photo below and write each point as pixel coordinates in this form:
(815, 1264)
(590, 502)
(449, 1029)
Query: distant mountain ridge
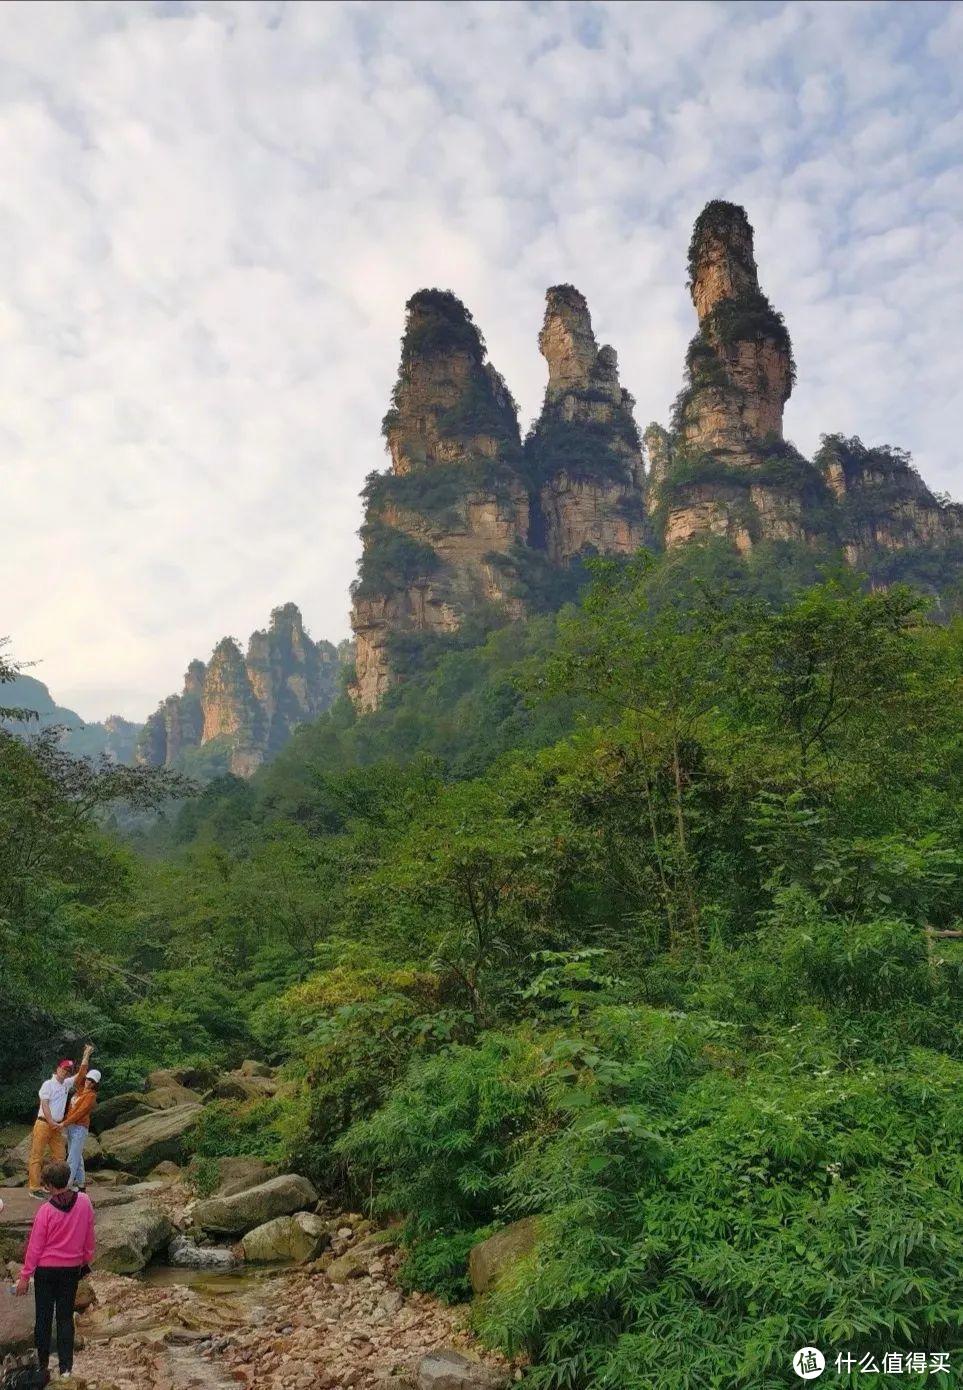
(114, 736)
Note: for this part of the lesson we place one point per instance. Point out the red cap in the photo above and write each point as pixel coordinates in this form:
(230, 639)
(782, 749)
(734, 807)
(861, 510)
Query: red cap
(66, 1062)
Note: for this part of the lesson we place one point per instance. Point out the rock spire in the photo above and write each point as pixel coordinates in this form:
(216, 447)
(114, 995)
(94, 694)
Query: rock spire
(441, 526)
(584, 451)
(244, 708)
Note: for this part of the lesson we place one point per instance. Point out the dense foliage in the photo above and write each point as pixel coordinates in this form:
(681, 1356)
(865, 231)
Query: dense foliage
(623, 919)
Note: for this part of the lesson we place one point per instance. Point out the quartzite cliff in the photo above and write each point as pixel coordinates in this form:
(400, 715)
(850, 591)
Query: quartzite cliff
(245, 707)
(467, 514)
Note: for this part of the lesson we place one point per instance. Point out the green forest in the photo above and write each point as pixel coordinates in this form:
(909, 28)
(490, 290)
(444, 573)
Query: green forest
(633, 918)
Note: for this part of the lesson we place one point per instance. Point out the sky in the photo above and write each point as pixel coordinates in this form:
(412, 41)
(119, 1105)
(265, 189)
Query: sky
(211, 216)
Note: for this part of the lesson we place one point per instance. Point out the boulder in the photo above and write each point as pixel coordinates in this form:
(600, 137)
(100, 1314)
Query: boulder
(165, 1172)
(250, 1068)
(491, 1259)
(197, 1078)
(16, 1320)
(450, 1370)
(166, 1097)
(299, 1237)
(238, 1174)
(143, 1143)
(86, 1297)
(244, 1210)
(128, 1236)
(185, 1253)
(116, 1110)
(16, 1158)
(234, 1086)
(354, 1263)
(93, 1152)
(114, 1177)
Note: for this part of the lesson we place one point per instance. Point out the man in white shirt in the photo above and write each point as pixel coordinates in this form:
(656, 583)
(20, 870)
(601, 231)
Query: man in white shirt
(48, 1130)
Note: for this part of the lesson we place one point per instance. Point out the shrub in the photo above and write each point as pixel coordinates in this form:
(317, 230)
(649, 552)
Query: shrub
(391, 560)
(439, 1149)
(225, 1129)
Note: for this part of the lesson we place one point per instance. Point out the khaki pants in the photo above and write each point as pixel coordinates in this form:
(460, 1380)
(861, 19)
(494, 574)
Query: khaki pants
(44, 1137)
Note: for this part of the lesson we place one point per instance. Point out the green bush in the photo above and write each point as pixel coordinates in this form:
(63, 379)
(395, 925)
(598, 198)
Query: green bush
(439, 1150)
(391, 560)
(227, 1128)
(439, 1265)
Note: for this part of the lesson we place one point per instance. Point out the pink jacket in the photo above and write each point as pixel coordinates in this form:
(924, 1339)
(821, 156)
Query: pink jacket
(61, 1239)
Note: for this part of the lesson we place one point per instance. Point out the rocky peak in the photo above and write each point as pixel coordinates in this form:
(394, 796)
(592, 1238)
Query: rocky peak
(584, 452)
(440, 527)
(739, 366)
(448, 403)
(194, 678)
(228, 699)
(657, 444)
(721, 260)
(567, 342)
(251, 704)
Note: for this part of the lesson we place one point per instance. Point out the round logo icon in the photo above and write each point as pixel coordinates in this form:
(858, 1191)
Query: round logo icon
(808, 1363)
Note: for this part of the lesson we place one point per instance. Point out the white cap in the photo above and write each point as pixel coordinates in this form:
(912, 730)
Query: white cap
(93, 1075)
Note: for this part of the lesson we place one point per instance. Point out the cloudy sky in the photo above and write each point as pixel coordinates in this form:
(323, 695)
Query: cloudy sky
(211, 216)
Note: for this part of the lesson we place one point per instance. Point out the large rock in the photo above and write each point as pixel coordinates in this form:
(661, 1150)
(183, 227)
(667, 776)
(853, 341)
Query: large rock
(16, 1320)
(16, 1158)
(239, 1174)
(197, 1078)
(300, 1237)
(355, 1262)
(236, 1086)
(143, 1143)
(117, 1110)
(251, 1068)
(244, 1210)
(450, 1370)
(167, 1097)
(491, 1259)
(185, 1253)
(129, 1236)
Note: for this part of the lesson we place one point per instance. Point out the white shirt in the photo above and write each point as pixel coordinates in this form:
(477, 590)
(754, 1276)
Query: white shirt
(55, 1093)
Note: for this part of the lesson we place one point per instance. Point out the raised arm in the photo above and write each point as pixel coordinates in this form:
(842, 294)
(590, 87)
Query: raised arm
(77, 1081)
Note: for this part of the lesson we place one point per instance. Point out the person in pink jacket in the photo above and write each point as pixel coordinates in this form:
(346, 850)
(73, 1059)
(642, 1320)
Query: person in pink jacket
(60, 1248)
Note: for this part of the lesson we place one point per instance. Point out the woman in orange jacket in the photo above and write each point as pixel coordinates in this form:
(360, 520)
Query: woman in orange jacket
(77, 1124)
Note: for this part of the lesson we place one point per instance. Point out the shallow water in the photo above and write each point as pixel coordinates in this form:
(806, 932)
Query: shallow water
(244, 1279)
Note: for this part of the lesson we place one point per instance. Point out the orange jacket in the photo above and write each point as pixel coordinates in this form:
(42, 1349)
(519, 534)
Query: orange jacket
(82, 1101)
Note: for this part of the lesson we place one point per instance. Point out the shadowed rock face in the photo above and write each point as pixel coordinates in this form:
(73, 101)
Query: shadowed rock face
(584, 451)
(441, 526)
(250, 703)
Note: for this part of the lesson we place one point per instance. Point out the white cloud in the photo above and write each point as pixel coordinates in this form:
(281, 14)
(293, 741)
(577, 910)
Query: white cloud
(212, 214)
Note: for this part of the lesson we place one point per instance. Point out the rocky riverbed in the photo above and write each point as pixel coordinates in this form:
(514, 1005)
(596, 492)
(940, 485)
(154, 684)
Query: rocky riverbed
(338, 1323)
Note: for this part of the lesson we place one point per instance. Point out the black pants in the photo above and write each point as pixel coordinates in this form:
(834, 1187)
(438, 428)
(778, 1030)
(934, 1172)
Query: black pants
(55, 1289)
